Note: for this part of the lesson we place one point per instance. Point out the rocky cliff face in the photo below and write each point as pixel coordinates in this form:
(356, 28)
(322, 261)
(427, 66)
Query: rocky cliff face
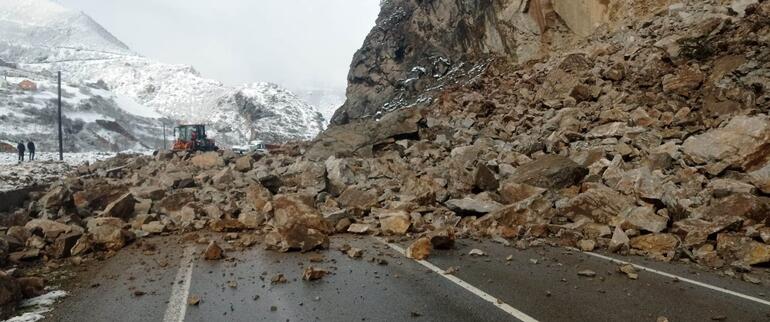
(417, 44)
(418, 47)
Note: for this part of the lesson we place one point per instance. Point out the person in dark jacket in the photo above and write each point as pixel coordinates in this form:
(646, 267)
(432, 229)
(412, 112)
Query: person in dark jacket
(31, 149)
(20, 148)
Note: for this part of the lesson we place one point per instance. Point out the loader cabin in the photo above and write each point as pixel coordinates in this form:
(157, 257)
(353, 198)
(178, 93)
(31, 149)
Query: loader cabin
(192, 138)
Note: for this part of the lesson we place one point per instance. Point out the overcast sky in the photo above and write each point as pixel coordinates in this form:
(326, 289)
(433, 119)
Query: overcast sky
(295, 43)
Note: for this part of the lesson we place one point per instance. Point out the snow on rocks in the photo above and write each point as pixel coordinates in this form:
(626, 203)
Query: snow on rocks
(36, 307)
(45, 169)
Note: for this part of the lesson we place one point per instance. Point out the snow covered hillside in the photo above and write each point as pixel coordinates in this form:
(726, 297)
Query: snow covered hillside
(93, 118)
(45, 37)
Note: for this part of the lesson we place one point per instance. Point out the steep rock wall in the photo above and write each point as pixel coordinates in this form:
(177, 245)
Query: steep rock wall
(420, 46)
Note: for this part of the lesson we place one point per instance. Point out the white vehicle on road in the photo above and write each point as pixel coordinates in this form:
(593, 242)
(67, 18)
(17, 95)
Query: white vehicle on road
(253, 146)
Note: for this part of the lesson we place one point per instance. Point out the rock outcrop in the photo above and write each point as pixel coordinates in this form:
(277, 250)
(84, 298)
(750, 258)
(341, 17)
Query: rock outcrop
(418, 48)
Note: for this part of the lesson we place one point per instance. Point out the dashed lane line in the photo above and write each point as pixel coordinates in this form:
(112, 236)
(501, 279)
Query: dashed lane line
(177, 303)
(470, 288)
(682, 279)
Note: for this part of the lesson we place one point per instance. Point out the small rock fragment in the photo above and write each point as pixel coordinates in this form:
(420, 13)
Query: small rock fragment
(213, 252)
(751, 278)
(353, 252)
(629, 270)
(477, 252)
(278, 279)
(313, 274)
(420, 249)
(586, 245)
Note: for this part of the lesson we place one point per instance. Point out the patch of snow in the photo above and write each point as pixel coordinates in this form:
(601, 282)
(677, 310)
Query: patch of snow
(88, 116)
(46, 168)
(37, 306)
(129, 105)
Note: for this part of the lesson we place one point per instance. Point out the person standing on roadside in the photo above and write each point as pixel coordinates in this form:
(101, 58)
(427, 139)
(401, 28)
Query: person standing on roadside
(31, 149)
(21, 149)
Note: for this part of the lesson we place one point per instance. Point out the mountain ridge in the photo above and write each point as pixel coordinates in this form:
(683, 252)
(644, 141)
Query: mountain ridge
(87, 53)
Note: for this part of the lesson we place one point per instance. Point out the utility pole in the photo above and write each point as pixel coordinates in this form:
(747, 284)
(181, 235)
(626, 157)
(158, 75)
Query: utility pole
(61, 144)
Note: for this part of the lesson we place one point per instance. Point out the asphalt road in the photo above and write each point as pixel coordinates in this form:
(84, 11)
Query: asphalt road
(541, 283)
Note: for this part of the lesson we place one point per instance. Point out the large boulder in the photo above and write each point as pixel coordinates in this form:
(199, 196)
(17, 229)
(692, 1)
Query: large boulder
(175, 202)
(293, 209)
(473, 205)
(645, 219)
(395, 222)
(59, 196)
(99, 196)
(251, 219)
(601, 204)
(186, 216)
(642, 183)
(684, 82)
(661, 246)
(741, 143)
(243, 164)
(296, 236)
(512, 192)
(526, 212)
(742, 250)
(696, 231)
(485, 179)
(305, 175)
(742, 205)
(223, 178)
(152, 192)
(176, 180)
(344, 172)
(358, 200)
(358, 138)
(260, 199)
(109, 237)
(419, 249)
(123, 207)
(551, 172)
(49, 228)
(208, 160)
(61, 247)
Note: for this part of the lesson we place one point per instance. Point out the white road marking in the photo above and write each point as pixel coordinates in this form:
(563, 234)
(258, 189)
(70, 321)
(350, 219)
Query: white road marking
(683, 279)
(470, 288)
(177, 303)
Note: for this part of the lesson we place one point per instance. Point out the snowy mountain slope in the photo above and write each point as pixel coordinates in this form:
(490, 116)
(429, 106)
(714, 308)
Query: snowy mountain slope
(87, 53)
(269, 113)
(93, 117)
(42, 23)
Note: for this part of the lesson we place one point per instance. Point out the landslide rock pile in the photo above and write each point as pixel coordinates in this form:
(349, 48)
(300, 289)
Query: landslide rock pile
(651, 141)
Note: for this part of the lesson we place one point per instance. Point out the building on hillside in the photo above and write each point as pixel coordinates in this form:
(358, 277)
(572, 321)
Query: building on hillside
(27, 85)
